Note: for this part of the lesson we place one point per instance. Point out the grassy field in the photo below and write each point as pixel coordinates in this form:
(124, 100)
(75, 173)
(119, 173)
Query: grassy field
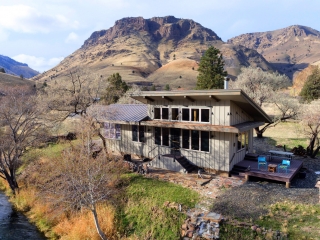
(287, 133)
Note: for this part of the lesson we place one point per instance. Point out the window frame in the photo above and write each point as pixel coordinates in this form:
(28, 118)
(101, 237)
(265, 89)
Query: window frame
(139, 127)
(191, 108)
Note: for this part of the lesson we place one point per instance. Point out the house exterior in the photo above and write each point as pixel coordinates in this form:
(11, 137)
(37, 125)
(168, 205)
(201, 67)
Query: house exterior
(211, 129)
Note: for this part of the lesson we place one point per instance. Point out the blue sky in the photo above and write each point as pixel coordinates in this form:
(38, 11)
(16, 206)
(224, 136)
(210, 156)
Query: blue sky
(42, 32)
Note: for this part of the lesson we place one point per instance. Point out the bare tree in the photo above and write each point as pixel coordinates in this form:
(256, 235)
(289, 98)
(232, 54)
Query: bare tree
(83, 178)
(262, 87)
(311, 127)
(73, 93)
(286, 108)
(259, 85)
(22, 127)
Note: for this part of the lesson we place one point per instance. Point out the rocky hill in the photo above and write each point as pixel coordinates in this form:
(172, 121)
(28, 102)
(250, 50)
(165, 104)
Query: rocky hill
(159, 50)
(288, 50)
(16, 68)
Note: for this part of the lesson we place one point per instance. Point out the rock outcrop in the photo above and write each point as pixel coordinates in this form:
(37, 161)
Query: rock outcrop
(159, 50)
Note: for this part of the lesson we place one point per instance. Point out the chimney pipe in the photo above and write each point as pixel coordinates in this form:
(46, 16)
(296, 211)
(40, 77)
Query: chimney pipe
(226, 82)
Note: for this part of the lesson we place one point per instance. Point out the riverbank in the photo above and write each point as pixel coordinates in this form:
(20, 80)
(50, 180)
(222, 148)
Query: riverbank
(14, 225)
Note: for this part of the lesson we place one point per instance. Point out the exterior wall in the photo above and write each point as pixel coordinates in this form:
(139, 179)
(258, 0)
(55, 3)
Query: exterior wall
(217, 158)
(238, 115)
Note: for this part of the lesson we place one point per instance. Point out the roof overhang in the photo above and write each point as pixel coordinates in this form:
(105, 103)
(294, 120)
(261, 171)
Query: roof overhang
(204, 127)
(235, 95)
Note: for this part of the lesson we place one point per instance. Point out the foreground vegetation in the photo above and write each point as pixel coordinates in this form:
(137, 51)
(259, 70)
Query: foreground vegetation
(137, 211)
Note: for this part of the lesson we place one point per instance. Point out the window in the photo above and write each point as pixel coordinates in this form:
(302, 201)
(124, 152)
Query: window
(135, 133)
(199, 140)
(243, 140)
(194, 139)
(175, 138)
(205, 141)
(111, 131)
(157, 114)
(141, 134)
(157, 135)
(161, 113)
(165, 136)
(138, 133)
(185, 114)
(195, 115)
(185, 139)
(205, 117)
(165, 113)
(175, 114)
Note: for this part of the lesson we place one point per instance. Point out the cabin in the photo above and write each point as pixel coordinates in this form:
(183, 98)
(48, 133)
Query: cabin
(184, 130)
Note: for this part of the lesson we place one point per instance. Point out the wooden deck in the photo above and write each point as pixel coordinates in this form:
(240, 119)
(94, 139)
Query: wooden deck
(293, 170)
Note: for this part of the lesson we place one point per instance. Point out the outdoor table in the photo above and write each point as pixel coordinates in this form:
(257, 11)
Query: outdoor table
(272, 167)
(288, 155)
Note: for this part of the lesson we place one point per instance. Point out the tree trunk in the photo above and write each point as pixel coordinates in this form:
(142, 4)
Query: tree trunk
(95, 216)
(103, 142)
(259, 132)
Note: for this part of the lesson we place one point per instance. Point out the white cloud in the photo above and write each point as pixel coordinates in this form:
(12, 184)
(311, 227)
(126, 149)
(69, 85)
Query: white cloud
(72, 37)
(38, 63)
(22, 18)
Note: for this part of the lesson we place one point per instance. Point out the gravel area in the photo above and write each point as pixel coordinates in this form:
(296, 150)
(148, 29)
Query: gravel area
(251, 199)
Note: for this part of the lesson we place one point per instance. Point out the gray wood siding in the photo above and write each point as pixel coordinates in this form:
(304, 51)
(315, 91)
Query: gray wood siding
(238, 115)
(217, 158)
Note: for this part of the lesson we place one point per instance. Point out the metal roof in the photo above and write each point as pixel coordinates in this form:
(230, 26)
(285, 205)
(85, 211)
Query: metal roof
(236, 95)
(121, 112)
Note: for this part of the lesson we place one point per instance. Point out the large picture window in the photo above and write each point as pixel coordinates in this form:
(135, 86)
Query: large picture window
(182, 138)
(175, 114)
(111, 131)
(138, 133)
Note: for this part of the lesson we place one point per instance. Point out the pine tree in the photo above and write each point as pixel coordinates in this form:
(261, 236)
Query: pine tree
(311, 88)
(211, 72)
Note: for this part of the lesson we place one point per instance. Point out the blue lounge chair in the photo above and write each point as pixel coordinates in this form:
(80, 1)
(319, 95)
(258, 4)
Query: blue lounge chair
(262, 162)
(284, 166)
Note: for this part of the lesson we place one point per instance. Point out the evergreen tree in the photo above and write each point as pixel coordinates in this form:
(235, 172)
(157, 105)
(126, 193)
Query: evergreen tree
(311, 88)
(167, 87)
(116, 88)
(211, 72)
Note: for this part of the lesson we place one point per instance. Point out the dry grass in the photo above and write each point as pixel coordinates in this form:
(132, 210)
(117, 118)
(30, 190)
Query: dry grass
(81, 226)
(11, 81)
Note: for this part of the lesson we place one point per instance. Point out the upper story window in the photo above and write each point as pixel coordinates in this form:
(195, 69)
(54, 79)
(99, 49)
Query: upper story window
(161, 113)
(196, 114)
(192, 114)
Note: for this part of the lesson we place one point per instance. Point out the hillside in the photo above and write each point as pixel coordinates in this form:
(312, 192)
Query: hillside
(16, 68)
(159, 50)
(289, 50)
(7, 80)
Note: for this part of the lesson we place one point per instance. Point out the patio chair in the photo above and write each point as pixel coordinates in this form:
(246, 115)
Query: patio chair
(285, 165)
(262, 162)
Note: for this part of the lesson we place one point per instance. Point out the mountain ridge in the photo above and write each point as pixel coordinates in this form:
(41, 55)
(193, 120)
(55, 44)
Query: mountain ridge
(14, 67)
(159, 50)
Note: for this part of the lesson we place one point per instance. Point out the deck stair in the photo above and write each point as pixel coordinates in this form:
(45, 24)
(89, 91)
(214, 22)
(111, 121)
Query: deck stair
(238, 170)
(186, 164)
